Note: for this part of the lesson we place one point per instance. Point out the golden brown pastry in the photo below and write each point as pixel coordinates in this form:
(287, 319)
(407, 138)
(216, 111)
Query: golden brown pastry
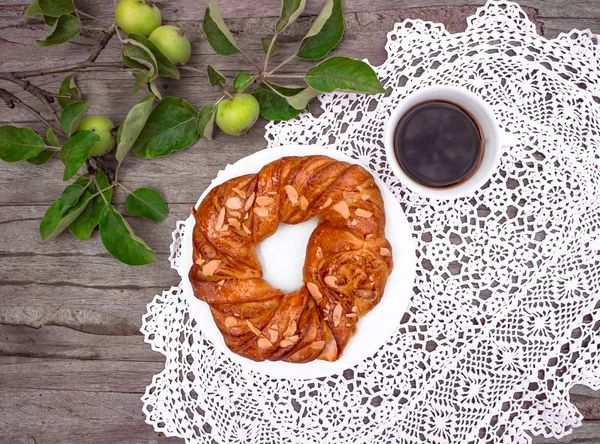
(348, 258)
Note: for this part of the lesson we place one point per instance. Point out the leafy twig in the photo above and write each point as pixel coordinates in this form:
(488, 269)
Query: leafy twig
(289, 59)
(11, 101)
(266, 65)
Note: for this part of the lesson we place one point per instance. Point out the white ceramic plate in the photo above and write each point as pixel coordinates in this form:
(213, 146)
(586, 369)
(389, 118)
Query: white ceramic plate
(282, 256)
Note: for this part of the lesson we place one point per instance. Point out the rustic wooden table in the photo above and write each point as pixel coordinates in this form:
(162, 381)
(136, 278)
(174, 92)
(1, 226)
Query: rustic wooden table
(72, 362)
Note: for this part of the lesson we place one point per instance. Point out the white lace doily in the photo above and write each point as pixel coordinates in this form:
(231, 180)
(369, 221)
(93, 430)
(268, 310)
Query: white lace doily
(503, 318)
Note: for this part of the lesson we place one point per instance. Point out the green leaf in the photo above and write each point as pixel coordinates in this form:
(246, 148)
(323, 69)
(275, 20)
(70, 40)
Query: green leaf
(216, 31)
(214, 76)
(300, 100)
(71, 116)
(165, 66)
(242, 80)
(56, 8)
(119, 240)
(325, 33)
(55, 221)
(51, 137)
(47, 154)
(274, 105)
(76, 150)
(132, 126)
(290, 11)
(19, 143)
(206, 121)
(153, 89)
(265, 46)
(70, 196)
(141, 78)
(42, 158)
(345, 74)
(138, 55)
(34, 11)
(69, 87)
(64, 29)
(170, 127)
(147, 203)
(84, 225)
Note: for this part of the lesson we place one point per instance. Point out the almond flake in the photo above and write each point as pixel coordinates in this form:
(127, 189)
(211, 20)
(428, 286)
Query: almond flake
(359, 188)
(385, 252)
(327, 202)
(348, 324)
(199, 261)
(371, 278)
(261, 211)
(342, 208)
(366, 295)
(353, 222)
(220, 219)
(210, 267)
(252, 328)
(249, 202)
(275, 327)
(354, 309)
(285, 343)
(363, 213)
(272, 193)
(303, 203)
(264, 343)
(314, 291)
(273, 334)
(369, 236)
(351, 315)
(225, 227)
(292, 194)
(290, 330)
(263, 201)
(234, 223)
(233, 203)
(317, 345)
(235, 214)
(294, 338)
(365, 197)
(245, 216)
(246, 229)
(239, 192)
(331, 281)
(224, 233)
(337, 315)
(230, 321)
(221, 282)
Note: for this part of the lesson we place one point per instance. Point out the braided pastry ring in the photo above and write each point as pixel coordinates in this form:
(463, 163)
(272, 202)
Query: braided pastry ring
(347, 263)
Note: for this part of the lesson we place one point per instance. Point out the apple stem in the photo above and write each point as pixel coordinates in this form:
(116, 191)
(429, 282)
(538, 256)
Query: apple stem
(227, 93)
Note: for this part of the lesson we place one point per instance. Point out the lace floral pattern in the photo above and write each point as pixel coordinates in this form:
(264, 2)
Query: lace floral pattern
(503, 319)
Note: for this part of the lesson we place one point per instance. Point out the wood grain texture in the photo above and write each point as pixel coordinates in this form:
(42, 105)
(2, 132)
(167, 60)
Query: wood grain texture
(72, 363)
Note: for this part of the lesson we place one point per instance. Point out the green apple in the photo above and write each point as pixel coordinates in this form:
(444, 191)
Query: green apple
(173, 43)
(102, 126)
(137, 16)
(236, 116)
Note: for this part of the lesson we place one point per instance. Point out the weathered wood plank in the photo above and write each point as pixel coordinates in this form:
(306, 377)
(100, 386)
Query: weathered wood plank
(70, 417)
(588, 433)
(52, 342)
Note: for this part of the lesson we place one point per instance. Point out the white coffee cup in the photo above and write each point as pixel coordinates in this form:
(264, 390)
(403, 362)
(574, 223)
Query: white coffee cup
(494, 140)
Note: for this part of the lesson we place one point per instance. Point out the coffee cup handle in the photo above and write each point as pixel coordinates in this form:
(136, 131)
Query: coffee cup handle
(509, 140)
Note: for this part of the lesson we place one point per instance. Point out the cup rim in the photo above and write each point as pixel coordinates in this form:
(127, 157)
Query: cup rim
(491, 153)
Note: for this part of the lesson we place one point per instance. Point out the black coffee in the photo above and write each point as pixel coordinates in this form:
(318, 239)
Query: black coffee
(438, 144)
